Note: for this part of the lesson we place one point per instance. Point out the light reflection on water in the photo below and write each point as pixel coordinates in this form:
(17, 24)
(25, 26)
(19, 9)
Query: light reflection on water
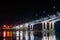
(19, 36)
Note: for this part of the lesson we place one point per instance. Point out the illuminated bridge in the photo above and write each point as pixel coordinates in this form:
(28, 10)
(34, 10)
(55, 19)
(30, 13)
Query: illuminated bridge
(41, 29)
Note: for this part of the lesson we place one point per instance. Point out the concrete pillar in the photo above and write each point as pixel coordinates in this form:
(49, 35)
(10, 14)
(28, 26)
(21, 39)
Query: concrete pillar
(44, 31)
(46, 25)
(43, 26)
(51, 31)
(53, 25)
(50, 26)
(31, 32)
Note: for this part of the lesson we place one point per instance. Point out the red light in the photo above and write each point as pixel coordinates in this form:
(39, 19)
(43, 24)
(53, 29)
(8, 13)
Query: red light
(4, 33)
(4, 39)
(4, 26)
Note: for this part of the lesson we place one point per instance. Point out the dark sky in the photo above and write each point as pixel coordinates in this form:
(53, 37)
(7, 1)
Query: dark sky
(12, 12)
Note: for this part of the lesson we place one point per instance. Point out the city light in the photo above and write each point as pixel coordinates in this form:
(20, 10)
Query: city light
(29, 33)
(21, 26)
(17, 35)
(21, 35)
(17, 27)
(4, 26)
(4, 33)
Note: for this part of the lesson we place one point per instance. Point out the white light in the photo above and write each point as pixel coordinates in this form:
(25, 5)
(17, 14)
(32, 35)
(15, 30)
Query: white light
(17, 27)
(17, 38)
(17, 35)
(21, 25)
(21, 35)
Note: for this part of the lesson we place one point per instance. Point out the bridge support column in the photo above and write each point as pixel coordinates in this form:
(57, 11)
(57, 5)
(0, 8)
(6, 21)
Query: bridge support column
(51, 31)
(31, 32)
(44, 31)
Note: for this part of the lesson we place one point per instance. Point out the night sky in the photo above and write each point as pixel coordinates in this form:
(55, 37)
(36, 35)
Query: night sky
(22, 11)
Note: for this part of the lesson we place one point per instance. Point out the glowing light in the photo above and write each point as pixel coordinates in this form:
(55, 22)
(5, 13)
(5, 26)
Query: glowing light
(17, 27)
(21, 25)
(9, 34)
(21, 35)
(4, 39)
(17, 35)
(4, 26)
(4, 33)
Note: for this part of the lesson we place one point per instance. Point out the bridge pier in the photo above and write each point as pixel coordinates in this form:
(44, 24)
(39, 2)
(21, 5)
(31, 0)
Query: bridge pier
(31, 32)
(51, 31)
(44, 31)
